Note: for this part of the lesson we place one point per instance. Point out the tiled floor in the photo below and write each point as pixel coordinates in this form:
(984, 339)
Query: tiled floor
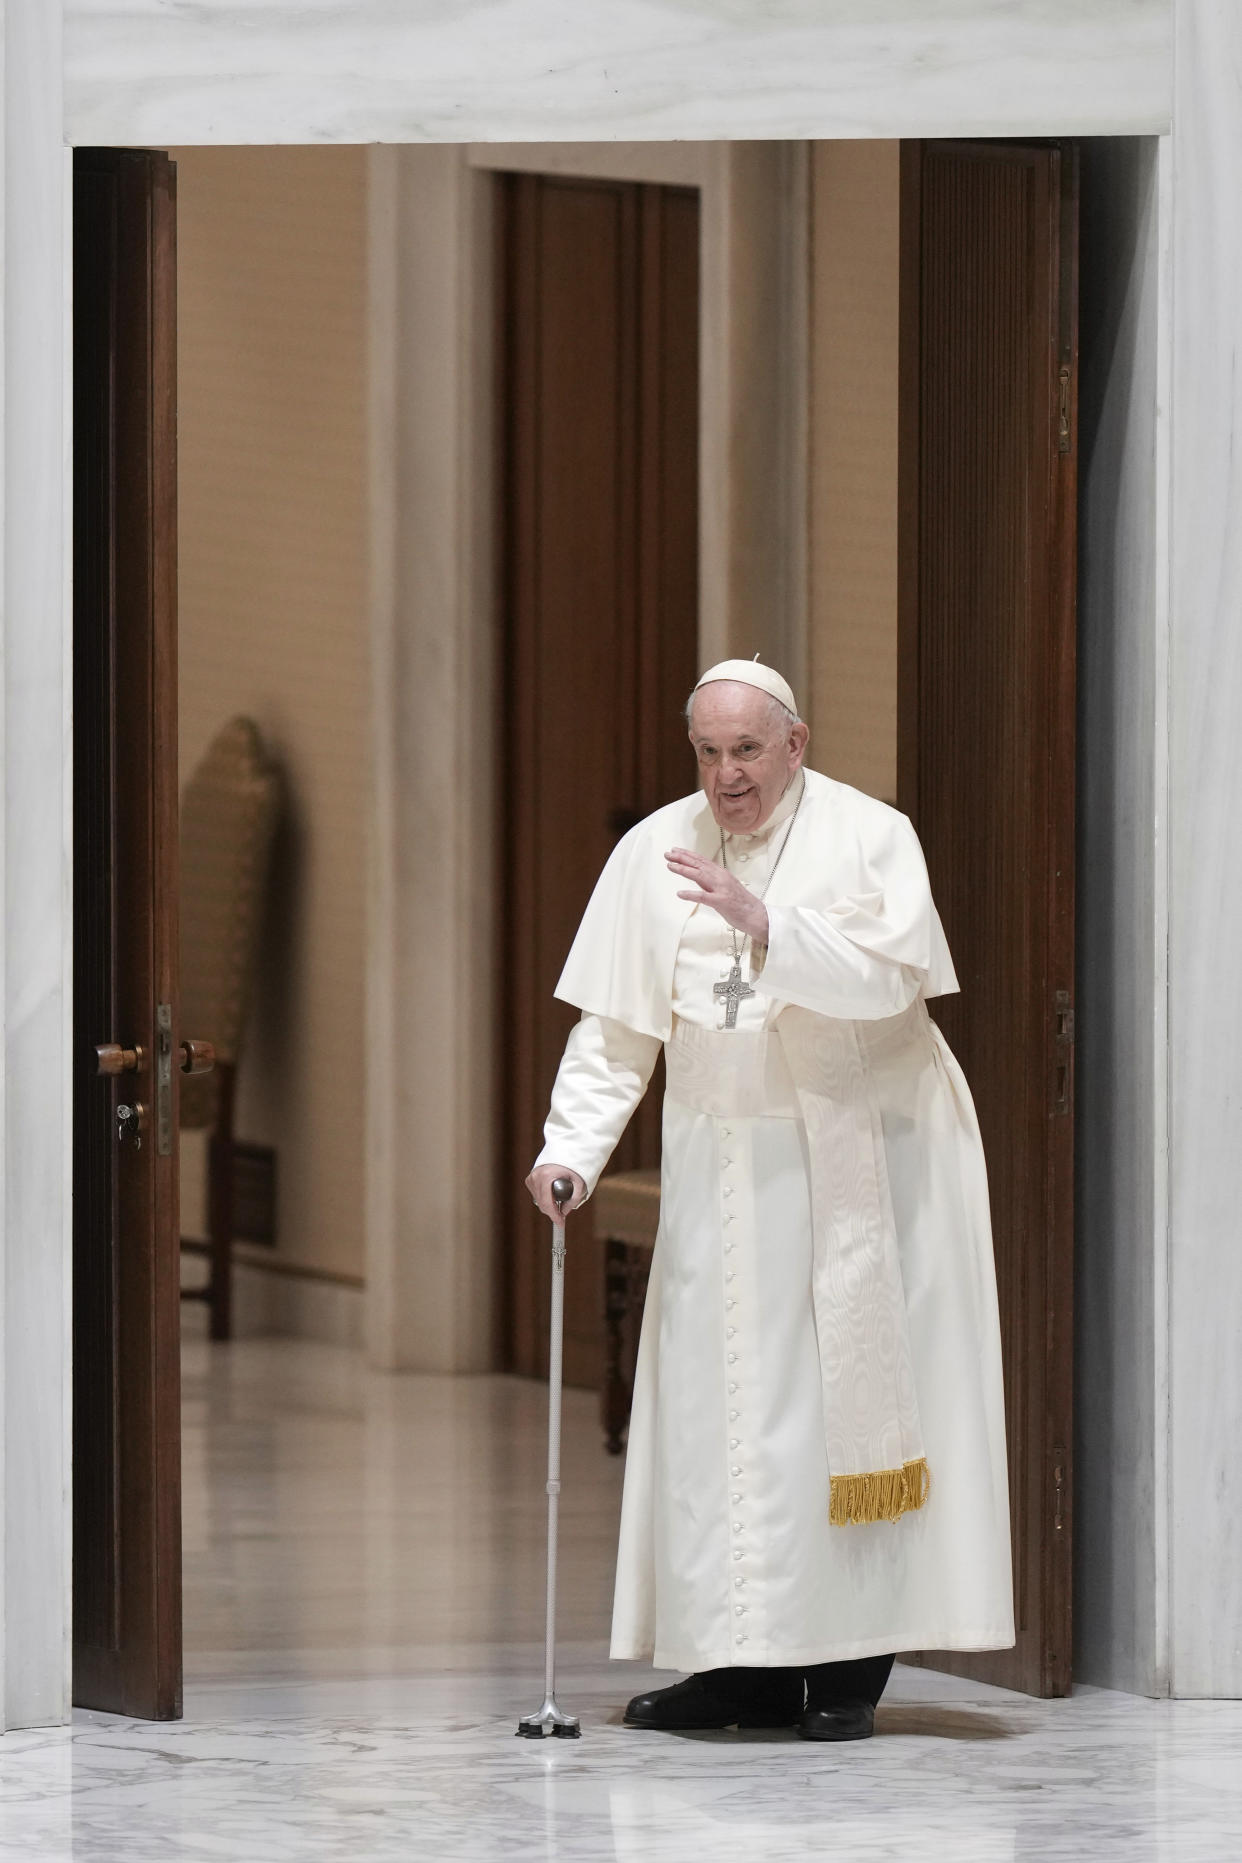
(363, 1616)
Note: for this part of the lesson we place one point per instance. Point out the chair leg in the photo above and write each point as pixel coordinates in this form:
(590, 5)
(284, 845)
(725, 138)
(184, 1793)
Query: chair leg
(220, 1205)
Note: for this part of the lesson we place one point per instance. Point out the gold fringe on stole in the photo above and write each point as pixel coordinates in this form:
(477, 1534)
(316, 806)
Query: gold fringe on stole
(884, 1494)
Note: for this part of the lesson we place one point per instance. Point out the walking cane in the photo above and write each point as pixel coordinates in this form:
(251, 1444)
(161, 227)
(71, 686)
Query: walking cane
(549, 1719)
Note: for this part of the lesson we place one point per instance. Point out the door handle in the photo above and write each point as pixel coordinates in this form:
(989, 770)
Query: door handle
(197, 1057)
(113, 1059)
(193, 1057)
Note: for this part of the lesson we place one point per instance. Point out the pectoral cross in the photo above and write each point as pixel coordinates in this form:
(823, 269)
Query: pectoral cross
(731, 991)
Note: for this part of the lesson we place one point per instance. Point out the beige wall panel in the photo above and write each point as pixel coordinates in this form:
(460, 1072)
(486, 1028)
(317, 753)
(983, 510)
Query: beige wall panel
(853, 471)
(273, 329)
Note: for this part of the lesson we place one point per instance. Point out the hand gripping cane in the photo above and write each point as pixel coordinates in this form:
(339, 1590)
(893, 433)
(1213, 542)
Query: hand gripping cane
(549, 1719)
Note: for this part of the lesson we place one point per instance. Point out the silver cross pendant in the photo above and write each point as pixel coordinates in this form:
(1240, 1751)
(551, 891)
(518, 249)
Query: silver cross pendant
(731, 992)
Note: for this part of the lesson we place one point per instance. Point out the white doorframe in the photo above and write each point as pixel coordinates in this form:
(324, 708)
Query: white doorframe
(147, 73)
(35, 848)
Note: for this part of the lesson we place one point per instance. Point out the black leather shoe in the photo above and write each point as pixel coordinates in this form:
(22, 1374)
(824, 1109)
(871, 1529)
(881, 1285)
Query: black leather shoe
(840, 1720)
(718, 1698)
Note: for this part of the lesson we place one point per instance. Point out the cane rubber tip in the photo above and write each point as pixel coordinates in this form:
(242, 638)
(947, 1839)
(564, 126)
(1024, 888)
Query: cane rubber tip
(562, 1191)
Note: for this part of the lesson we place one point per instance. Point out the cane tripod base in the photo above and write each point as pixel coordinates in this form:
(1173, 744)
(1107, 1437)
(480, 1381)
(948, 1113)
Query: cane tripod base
(549, 1720)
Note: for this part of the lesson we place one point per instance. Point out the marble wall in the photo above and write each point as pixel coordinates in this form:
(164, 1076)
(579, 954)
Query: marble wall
(150, 71)
(1121, 1318)
(1205, 872)
(1160, 1384)
(34, 848)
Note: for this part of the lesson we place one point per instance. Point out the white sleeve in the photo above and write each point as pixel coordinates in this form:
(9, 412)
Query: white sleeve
(812, 963)
(869, 953)
(603, 1075)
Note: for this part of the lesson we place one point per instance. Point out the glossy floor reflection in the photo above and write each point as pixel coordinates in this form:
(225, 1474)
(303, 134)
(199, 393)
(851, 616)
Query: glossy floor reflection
(363, 1616)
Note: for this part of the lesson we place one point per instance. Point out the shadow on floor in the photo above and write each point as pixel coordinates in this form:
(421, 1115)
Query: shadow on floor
(925, 1720)
(939, 1721)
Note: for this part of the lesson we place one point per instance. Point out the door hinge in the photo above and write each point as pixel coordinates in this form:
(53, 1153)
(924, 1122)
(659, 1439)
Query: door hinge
(1058, 1490)
(1063, 409)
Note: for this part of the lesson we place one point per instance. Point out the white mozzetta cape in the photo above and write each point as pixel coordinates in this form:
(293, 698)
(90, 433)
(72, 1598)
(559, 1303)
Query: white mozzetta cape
(831, 1141)
(852, 879)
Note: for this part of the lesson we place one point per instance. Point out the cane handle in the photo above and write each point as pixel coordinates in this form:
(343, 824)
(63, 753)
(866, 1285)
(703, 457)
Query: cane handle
(562, 1191)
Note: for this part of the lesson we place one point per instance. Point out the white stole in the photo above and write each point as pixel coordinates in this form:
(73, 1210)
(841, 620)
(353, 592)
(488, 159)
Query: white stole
(849, 857)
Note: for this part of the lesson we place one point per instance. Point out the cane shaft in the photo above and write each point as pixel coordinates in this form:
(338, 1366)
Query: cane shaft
(554, 1446)
(550, 1719)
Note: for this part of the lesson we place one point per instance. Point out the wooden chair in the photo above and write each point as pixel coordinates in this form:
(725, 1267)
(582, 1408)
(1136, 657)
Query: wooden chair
(229, 810)
(627, 1215)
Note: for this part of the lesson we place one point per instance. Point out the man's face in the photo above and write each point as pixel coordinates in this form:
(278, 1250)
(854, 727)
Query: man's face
(746, 758)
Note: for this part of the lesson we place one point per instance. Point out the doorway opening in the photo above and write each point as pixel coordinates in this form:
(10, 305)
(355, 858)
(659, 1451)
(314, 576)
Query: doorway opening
(276, 560)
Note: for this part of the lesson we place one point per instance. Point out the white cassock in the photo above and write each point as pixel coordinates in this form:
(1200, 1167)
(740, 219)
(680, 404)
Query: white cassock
(822, 1299)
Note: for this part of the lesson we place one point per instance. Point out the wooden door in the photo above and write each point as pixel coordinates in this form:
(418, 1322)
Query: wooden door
(599, 519)
(126, 1421)
(986, 762)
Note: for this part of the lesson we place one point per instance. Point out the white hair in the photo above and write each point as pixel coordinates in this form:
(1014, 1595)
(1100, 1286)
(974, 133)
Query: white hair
(781, 716)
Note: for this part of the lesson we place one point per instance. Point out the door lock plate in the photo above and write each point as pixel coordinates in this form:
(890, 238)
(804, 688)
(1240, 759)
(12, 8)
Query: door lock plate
(163, 1079)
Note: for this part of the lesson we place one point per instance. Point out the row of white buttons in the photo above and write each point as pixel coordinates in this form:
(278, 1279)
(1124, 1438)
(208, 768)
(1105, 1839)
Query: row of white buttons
(736, 1470)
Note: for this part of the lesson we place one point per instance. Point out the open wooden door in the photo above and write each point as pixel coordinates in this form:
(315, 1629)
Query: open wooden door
(986, 761)
(126, 1341)
(599, 612)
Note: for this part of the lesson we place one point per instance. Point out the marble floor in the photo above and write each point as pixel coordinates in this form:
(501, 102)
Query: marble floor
(363, 1559)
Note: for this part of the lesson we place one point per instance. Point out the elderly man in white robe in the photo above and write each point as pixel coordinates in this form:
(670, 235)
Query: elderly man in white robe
(816, 1473)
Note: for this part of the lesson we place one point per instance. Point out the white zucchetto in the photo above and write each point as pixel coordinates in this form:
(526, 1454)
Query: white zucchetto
(751, 673)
